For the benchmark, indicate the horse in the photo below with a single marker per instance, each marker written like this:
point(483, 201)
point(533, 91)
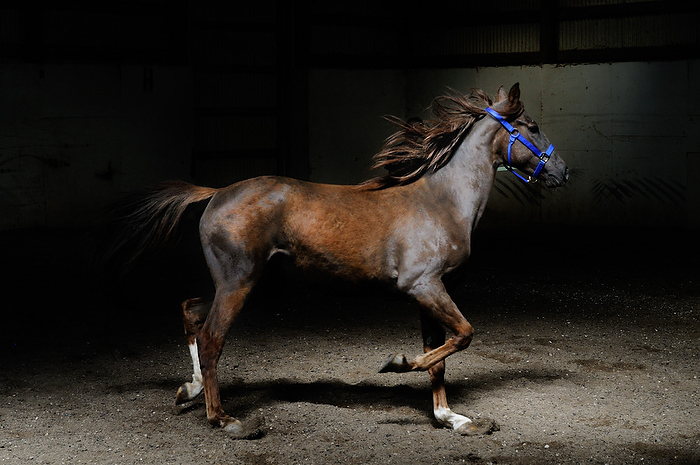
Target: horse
point(406, 228)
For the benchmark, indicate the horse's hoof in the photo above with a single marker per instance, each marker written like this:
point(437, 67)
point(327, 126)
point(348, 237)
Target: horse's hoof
point(396, 363)
point(478, 427)
point(252, 428)
point(181, 397)
point(186, 393)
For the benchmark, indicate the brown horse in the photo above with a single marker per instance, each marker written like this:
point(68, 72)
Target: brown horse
point(406, 228)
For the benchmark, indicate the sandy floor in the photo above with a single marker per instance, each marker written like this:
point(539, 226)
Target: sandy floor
point(592, 358)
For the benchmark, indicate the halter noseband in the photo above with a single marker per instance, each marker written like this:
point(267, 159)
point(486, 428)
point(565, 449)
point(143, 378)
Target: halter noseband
point(515, 135)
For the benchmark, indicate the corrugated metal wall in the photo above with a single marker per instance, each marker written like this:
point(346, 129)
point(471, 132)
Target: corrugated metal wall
point(638, 31)
point(482, 40)
point(126, 31)
point(412, 34)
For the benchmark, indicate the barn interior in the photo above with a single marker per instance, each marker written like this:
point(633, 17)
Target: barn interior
point(98, 99)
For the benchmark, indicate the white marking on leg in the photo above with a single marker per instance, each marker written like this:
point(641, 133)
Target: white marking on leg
point(194, 353)
point(447, 417)
point(195, 387)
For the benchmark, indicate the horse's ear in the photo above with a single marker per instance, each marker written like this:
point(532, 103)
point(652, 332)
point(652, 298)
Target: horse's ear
point(514, 94)
point(501, 94)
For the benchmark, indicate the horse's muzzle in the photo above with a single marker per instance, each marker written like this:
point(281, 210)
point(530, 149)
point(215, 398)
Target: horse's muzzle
point(557, 180)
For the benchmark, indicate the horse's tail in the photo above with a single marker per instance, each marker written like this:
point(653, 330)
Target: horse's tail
point(148, 218)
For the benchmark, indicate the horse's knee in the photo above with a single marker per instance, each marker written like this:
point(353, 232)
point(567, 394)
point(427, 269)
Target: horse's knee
point(464, 337)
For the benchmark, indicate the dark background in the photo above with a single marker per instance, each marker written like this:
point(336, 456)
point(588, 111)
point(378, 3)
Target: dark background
point(101, 98)
point(584, 299)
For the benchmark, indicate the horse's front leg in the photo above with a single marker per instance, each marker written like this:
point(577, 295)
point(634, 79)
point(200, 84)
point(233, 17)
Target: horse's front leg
point(434, 337)
point(439, 311)
point(437, 304)
point(194, 313)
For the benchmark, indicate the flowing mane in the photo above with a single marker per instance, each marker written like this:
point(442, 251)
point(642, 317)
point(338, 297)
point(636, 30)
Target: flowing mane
point(420, 147)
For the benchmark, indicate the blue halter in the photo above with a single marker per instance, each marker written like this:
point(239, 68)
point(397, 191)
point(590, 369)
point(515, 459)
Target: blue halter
point(515, 135)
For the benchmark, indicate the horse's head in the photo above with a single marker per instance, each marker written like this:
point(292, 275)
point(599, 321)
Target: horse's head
point(523, 145)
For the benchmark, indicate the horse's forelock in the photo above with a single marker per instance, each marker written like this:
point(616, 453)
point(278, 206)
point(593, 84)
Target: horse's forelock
point(512, 110)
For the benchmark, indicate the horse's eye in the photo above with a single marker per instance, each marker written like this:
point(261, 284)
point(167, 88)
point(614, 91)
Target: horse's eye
point(534, 128)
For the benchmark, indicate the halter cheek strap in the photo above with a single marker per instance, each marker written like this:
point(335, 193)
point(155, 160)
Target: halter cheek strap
point(515, 135)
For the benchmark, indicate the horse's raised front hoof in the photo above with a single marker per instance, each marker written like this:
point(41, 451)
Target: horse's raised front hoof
point(396, 363)
point(478, 427)
point(186, 393)
point(251, 428)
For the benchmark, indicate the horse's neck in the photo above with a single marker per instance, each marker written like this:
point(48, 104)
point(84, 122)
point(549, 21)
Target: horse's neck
point(466, 181)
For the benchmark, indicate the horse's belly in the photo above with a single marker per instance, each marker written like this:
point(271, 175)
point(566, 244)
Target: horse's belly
point(345, 263)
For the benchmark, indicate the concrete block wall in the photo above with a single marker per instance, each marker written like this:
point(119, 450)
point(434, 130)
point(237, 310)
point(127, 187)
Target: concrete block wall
point(73, 136)
point(627, 131)
point(346, 120)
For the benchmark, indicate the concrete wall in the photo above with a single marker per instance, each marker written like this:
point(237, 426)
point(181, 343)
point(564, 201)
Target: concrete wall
point(71, 136)
point(627, 131)
point(346, 124)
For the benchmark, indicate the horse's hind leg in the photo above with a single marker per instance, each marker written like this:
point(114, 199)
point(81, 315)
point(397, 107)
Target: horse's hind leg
point(194, 313)
point(210, 342)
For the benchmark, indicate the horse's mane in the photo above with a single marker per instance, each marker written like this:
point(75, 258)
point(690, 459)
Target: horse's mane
point(420, 147)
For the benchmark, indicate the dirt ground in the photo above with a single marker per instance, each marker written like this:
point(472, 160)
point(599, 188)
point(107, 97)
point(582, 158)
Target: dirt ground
point(585, 351)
